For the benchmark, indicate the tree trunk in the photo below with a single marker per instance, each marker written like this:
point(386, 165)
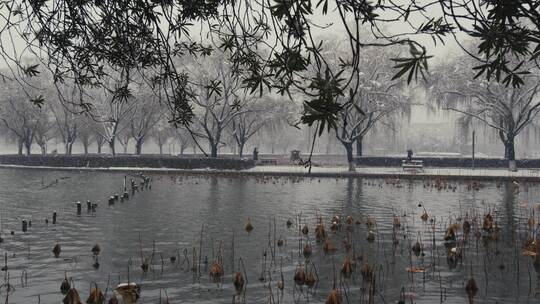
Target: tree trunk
point(509, 150)
point(99, 148)
point(43, 149)
point(160, 149)
point(27, 146)
point(111, 146)
point(359, 147)
point(510, 153)
point(68, 147)
point(241, 150)
point(350, 158)
point(138, 146)
point(85, 146)
point(213, 150)
point(20, 146)
point(183, 147)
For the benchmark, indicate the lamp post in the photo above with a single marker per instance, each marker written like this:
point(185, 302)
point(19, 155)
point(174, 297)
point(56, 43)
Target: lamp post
point(473, 143)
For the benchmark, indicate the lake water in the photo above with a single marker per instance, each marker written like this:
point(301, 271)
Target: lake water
point(170, 218)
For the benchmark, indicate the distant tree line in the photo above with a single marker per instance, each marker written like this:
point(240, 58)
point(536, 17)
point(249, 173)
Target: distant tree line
point(102, 57)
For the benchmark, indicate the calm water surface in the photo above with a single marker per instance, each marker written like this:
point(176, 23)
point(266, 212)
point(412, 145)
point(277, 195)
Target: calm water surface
point(167, 220)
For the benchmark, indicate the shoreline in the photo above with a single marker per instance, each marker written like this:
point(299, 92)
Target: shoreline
point(524, 175)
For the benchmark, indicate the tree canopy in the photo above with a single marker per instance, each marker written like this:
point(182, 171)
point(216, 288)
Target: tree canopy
point(272, 44)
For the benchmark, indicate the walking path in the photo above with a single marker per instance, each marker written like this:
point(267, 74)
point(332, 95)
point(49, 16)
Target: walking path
point(376, 172)
point(481, 173)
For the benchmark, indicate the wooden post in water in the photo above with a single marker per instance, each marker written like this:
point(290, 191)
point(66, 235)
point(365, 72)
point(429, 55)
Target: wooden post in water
point(89, 205)
point(54, 218)
point(24, 225)
point(1, 229)
point(5, 268)
point(125, 195)
point(79, 208)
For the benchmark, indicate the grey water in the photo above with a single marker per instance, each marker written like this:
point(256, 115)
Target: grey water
point(170, 218)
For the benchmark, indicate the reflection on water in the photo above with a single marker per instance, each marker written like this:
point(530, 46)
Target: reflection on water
point(169, 220)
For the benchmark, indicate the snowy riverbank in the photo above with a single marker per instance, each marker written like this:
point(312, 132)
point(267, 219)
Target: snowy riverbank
point(322, 172)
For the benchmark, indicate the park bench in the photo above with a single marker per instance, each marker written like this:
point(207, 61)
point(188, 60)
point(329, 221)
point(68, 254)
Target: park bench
point(413, 165)
point(268, 161)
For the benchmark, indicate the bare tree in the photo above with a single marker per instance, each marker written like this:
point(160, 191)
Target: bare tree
point(113, 111)
point(254, 116)
point(376, 97)
point(507, 110)
point(218, 101)
point(146, 115)
point(85, 132)
point(279, 127)
point(100, 141)
point(123, 138)
point(184, 139)
point(66, 121)
point(161, 133)
point(20, 116)
point(43, 130)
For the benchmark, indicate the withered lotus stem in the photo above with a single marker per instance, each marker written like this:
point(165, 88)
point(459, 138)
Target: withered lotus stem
point(471, 287)
point(397, 222)
point(346, 268)
point(248, 227)
point(72, 297)
point(367, 271)
point(329, 246)
point(334, 297)
point(56, 250)
point(289, 223)
point(95, 297)
point(113, 300)
point(466, 227)
point(371, 236)
point(65, 286)
point(417, 248)
point(310, 280)
point(370, 223)
point(300, 276)
point(307, 250)
point(145, 265)
point(239, 281)
point(216, 270)
point(320, 233)
point(96, 249)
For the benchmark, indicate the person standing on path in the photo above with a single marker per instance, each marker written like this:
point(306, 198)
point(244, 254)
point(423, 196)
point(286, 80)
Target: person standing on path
point(409, 155)
point(255, 154)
